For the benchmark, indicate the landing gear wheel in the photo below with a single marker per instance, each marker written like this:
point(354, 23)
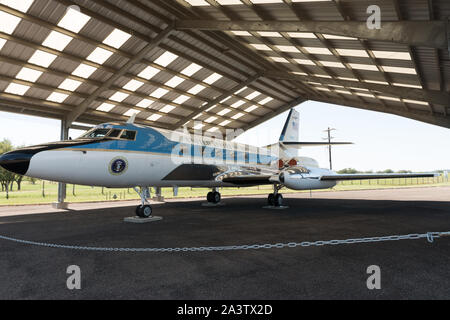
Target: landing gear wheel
point(271, 199)
point(278, 200)
point(216, 197)
point(144, 211)
point(209, 197)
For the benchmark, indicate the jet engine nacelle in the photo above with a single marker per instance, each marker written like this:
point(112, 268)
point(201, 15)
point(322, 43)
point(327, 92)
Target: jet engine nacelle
point(295, 179)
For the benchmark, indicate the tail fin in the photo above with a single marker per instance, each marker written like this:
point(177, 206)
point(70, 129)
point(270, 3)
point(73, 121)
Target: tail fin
point(291, 127)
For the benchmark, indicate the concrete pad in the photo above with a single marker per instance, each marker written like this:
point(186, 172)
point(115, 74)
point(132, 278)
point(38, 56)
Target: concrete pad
point(136, 219)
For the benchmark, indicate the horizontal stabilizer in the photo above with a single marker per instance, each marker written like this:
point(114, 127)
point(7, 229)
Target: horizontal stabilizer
point(299, 144)
point(338, 177)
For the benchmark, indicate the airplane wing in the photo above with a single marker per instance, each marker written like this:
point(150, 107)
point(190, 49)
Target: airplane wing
point(357, 176)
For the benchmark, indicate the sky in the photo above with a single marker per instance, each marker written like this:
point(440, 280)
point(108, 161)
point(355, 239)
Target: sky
point(381, 141)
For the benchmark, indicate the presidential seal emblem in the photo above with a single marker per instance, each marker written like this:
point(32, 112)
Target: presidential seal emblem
point(118, 166)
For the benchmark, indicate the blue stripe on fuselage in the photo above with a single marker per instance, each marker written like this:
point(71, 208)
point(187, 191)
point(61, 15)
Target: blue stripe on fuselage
point(150, 140)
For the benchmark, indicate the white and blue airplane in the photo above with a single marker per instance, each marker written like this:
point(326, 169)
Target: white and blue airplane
point(126, 155)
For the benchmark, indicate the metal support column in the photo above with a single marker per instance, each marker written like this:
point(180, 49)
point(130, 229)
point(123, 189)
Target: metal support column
point(61, 204)
point(158, 195)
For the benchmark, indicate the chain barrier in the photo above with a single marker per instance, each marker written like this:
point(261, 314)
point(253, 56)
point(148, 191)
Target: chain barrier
point(430, 236)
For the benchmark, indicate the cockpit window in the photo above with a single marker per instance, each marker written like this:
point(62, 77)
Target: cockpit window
point(114, 133)
point(128, 135)
point(96, 133)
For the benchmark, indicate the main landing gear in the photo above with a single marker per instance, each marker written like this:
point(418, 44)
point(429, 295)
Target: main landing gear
point(213, 196)
point(275, 199)
point(144, 210)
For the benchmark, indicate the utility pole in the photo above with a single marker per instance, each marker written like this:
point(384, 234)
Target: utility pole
point(328, 131)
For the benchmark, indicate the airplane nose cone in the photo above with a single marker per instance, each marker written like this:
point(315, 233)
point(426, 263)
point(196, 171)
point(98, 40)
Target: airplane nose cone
point(16, 161)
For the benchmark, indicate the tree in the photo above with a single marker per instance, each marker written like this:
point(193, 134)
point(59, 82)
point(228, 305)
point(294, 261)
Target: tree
point(348, 171)
point(6, 177)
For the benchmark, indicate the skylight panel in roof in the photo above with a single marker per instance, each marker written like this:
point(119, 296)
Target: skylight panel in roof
point(343, 91)
point(212, 78)
point(334, 37)
point(73, 20)
point(288, 49)
point(145, 103)
point(269, 34)
point(191, 69)
point(237, 115)
point(310, 0)
point(99, 55)
point(196, 89)
point(352, 53)
point(158, 93)
point(117, 38)
point(198, 116)
point(302, 35)
point(211, 119)
point(332, 64)
point(166, 58)
point(348, 79)
point(2, 43)
point(241, 33)
point(198, 126)
point(361, 66)
point(70, 85)
point(41, 58)
point(391, 55)
point(106, 107)
point(314, 50)
point(167, 109)
point(130, 112)
point(407, 85)
point(16, 88)
point(8, 22)
point(258, 46)
point(399, 70)
point(237, 104)
point(223, 112)
point(229, 2)
point(57, 97)
point(300, 73)
point(197, 3)
point(304, 61)
point(57, 40)
point(148, 73)
point(240, 90)
point(377, 82)
point(133, 85)
point(119, 96)
point(20, 5)
point(279, 59)
point(266, 100)
point(415, 102)
point(251, 108)
point(84, 71)
point(322, 76)
point(28, 74)
point(323, 89)
point(154, 117)
point(181, 99)
point(224, 123)
point(212, 129)
point(252, 95)
point(175, 81)
point(265, 1)
point(367, 95)
point(389, 98)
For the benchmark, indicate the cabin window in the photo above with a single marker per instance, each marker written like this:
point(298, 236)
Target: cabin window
point(114, 133)
point(128, 135)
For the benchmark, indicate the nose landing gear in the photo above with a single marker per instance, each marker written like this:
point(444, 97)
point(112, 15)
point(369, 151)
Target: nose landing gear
point(275, 199)
point(213, 197)
point(144, 210)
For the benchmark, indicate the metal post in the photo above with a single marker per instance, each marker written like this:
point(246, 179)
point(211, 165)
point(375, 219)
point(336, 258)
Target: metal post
point(61, 204)
point(329, 144)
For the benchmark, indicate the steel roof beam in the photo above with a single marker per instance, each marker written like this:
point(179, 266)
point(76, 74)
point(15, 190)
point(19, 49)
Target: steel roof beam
point(72, 116)
point(415, 33)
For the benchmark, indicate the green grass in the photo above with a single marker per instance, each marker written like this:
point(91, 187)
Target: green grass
point(33, 194)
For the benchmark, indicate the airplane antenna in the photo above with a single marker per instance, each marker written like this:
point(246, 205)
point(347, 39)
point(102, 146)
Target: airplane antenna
point(132, 118)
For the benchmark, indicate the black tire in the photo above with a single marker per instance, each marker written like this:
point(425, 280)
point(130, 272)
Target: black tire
point(216, 197)
point(209, 197)
point(146, 211)
point(271, 199)
point(278, 200)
